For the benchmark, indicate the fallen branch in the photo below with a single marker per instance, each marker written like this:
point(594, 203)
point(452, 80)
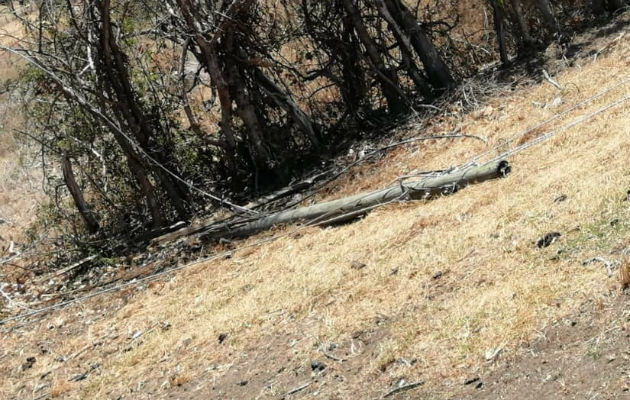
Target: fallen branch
point(334, 358)
point(299, 388)
point(168, 235)
point(403, 388)
point(77, 264)
point(550, 80)
point(602, 260)
point(6, 296)
point(7, 261)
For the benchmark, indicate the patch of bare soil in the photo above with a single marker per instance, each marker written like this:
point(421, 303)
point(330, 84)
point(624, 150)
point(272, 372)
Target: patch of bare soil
point(582, 356)
point(274, 367)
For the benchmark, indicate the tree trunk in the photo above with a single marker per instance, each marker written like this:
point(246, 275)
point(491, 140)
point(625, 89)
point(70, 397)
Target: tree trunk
point(115, 78)
point(386, 78)
point(547, 14)
point(245, 108)
point(499, 28)
point(405, 46)
point(353, 84)
point(435, 67)
point(209, 58)
point(597, 6)
point(284, 101)
point(616, 4)
point(522, 24)
point(77, 195)
point(247, 112)
point(139, 172)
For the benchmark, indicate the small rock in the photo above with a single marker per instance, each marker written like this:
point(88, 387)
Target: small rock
point(41, 387)
point(437, 275)
point(548, 239)
point(560, 198)
point(78, 378)
point(317, 365)
point(472, 380)
point(28, 364)
point(242, 383)
point(491, 354)
point(357, 265)
point(222, 337)
point(556, 102)
point(165, 325)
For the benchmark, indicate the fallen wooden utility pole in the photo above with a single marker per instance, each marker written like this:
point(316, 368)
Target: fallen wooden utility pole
point(348, 208)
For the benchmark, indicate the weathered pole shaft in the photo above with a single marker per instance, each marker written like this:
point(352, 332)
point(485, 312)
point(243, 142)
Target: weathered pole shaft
point(351, 207)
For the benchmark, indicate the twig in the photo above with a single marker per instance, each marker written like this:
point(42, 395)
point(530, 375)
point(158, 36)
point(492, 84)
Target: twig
point(550, 80)
point(84, 375)
point(7, 261)
point(334, 358)
point(299, 388)
point(11, 302)
point(82, 349)
point(602, 260)
point(139, 335)
point(6, 296)
point(622, 34)
point(403, 388)
point(75, 265)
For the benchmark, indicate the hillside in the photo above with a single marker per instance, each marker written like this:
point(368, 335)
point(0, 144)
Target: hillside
point(453, 293)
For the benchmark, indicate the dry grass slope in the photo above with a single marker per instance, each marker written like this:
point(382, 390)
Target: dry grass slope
point(445, 282)
point(20, 180)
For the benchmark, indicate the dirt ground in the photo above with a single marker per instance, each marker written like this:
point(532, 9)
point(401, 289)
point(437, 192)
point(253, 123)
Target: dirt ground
point(585, 355)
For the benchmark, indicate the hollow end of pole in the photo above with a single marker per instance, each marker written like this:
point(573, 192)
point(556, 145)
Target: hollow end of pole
point(504, 168)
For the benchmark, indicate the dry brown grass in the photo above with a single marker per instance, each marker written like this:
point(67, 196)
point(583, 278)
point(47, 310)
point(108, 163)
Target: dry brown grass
point(497, 290)
point(10, 30)
point(60, 388)
point(20, 190)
